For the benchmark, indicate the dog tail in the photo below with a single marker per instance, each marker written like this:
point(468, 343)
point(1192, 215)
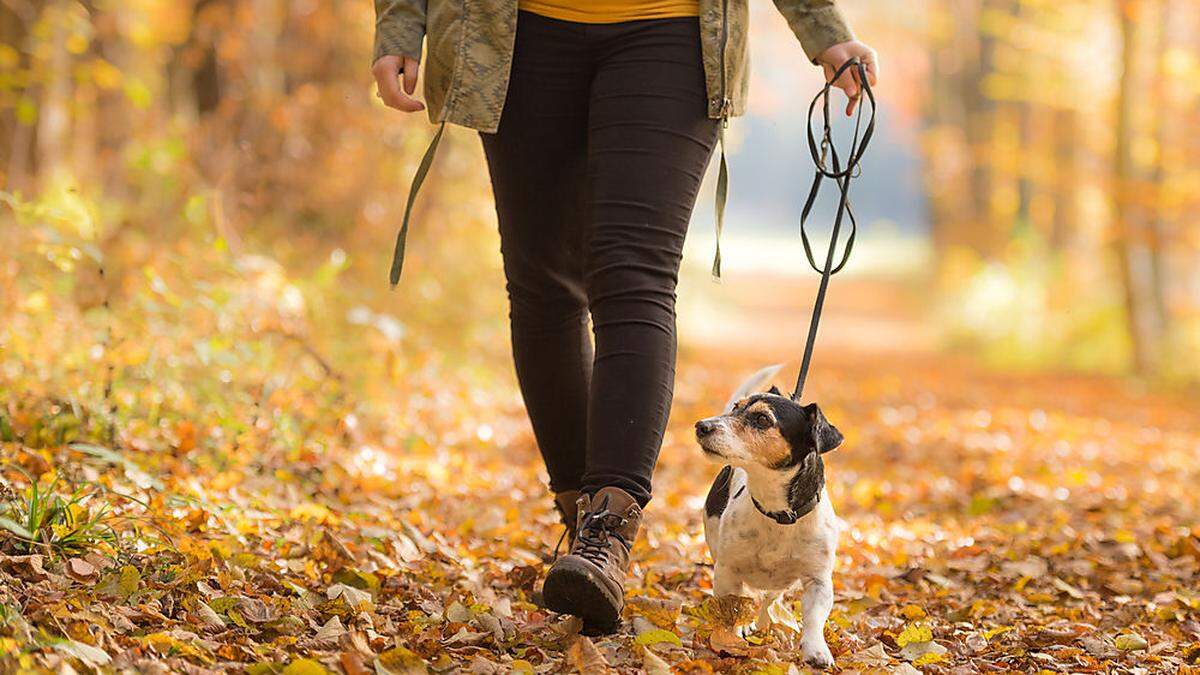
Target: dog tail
point(752, 384)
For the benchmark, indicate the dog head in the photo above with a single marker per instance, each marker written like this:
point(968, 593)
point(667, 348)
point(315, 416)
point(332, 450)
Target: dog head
point(768, 430)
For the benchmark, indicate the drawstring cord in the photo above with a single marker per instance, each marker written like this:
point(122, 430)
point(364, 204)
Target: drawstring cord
point(417, 181)
point(722, 189)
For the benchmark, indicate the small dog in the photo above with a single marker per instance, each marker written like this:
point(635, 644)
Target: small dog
point(768, 521)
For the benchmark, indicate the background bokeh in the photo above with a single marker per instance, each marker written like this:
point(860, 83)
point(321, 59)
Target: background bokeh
point(1034, 180)
point(216, 417)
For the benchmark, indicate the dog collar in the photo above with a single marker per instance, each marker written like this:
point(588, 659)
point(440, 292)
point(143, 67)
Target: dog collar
point(787, 516)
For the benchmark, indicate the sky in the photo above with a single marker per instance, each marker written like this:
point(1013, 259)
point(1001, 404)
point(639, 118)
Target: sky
point(770, 166)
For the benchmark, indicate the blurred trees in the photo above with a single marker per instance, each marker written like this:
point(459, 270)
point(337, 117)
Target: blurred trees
point(1060, 169)
point(197, 203)
point(1055, 150)
point(207, 119)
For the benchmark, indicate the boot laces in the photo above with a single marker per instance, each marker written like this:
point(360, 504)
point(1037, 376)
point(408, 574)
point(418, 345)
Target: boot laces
point(566, 533)
point(563, 537)
point(592, 539)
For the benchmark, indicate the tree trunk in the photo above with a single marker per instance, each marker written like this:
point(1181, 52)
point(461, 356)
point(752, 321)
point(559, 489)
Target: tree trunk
point(1066, 177)
point(1160, 225)
point(18, 136)
point(1135, 272)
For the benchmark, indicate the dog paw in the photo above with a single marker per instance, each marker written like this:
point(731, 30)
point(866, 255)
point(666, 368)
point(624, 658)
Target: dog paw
point(817, 656)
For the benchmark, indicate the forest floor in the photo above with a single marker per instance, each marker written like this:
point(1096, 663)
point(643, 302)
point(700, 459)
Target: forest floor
point(993, 522)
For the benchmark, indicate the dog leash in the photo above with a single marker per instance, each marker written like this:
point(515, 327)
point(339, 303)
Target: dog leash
point(834, 171)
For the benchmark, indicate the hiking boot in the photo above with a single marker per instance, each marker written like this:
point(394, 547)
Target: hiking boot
point(590, 581)
point(567, 505)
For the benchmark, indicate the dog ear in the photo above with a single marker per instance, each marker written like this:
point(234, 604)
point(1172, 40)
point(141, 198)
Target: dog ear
point(826, 437)
point(774, 390)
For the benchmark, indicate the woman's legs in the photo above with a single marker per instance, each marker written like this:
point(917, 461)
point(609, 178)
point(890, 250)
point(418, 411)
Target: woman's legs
point(649, 142)
point(601, 149)
point(537, 160)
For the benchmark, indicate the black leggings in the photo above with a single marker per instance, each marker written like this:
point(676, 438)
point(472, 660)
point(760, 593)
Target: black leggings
point(601, 149)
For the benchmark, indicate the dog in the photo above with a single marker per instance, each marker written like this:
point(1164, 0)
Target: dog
point(768, 521)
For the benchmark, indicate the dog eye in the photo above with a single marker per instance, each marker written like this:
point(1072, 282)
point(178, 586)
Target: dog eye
point(760, 420)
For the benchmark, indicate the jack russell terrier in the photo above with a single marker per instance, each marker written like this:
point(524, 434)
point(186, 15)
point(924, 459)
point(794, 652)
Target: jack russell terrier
point(768, 521)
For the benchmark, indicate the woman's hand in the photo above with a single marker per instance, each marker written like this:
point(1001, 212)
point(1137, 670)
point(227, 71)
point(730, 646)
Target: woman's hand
point(387, 71)
point(831, 59)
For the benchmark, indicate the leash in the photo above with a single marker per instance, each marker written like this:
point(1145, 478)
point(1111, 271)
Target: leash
point(822, 153)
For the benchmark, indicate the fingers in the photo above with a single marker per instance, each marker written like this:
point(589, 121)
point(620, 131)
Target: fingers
point(871, 66)
point(848, 83)
point(871, 61)
point(411, 67)
point(836, 56)
point(853, 92)
point(387, 70)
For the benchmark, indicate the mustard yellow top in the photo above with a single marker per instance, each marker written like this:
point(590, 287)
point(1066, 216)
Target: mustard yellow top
point(610, 11)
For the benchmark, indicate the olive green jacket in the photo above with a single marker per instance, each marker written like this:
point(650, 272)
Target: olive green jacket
point(470, 49)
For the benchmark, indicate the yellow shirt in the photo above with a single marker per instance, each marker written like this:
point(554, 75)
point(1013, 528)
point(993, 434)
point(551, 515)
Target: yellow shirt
point(610, 11)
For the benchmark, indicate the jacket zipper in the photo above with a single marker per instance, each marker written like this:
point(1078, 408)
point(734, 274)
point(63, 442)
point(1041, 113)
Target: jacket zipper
point(726, 103)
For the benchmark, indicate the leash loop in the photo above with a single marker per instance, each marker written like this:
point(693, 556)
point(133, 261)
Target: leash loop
point(829, 166)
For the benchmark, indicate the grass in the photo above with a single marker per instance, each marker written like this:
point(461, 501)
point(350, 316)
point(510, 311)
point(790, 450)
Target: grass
point(43, 520)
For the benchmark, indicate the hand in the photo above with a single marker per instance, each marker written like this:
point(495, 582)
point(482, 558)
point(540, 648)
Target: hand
point(831, 59)
point(387, 71)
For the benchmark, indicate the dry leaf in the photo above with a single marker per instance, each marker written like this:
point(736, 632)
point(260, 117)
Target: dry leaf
point(873, 656)
point(332, 630)
point(653, 664)
point(1128, 642)
point(81, 569)
point(724, 639)
point(93, 657)
point(922, 651)
point(585, 658)
point(662, 613)
point(652, 637)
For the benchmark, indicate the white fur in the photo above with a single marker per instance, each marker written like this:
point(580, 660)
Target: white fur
point(752, 384)
point(758, 557)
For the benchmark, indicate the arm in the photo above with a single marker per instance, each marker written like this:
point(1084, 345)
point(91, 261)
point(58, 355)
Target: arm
point(828, 42)
point(399, 32)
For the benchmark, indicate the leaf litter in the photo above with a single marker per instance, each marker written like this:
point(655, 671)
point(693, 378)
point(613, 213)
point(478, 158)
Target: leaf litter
point(993, 522)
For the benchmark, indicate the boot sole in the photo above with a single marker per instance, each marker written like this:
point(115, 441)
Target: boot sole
point(572, 588)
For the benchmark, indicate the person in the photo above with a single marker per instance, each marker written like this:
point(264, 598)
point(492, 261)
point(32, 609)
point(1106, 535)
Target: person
point(598, 119)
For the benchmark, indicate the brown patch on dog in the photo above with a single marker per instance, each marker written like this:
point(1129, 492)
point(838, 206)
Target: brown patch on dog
point(765, 445)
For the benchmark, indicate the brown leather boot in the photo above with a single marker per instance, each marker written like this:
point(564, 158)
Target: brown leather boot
point(567, 505)
point(590, 581)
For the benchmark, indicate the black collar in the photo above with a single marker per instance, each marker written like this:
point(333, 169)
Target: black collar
point(788, 516)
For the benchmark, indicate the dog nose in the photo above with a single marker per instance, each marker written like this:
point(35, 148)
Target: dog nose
point(705, 427)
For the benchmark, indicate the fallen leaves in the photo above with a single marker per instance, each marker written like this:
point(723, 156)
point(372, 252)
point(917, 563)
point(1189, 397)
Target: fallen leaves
point(1130, 642)
point(653, 637)
point(961, 552)
point(585, 658)
point(93, 657)
point(725, 640)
